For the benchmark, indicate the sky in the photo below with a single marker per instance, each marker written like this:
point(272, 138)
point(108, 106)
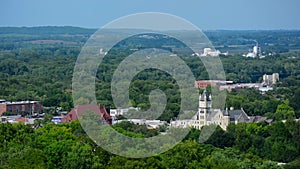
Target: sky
point(205, 14)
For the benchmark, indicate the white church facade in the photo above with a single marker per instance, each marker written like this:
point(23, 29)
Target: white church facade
point(207, 116)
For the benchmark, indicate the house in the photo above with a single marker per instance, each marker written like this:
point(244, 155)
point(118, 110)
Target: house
point(81, 109)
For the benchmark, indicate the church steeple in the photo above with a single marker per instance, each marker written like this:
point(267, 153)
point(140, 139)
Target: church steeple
point(204, 107)
point(205, 100)
point(226, 111)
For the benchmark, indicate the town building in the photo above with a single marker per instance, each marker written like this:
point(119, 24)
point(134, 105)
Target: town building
point(239, 86)
point(151, 124)
point(119, 111)
point(17, 119)
point(210, 52)
point(202, 84)
point(256, 52)
point(57, 119)
point(266, 85)
point(31, 107)
point(206, 115)
point(270, 80)
point(81, 109)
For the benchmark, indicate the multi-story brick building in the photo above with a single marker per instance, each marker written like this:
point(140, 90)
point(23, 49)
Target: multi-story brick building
point(30, 107)
point(202, 84)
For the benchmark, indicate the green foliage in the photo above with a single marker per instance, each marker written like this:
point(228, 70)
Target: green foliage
point(283, 112)
point(128, 128)
point(252, 102)
point(293, 165)
point(193, 135)
point(280, 146)
point(28, 158)
point(221, 138)
point(185, 154)
point(67, 146)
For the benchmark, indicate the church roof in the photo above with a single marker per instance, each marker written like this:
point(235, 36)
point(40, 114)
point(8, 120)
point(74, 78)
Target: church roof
point(212, 114)
point(237, 115)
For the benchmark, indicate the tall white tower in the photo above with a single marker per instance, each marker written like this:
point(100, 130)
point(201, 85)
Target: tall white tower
point(256, 50)
point(204, 107)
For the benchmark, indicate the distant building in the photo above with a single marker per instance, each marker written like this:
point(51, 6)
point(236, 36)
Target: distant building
point(210, 52)
point(266, 85)
point(202, 84)
point(16, 119)
point(117, 112)
point(81, 109)
point(151, 124)
point(207, 116)
point(270, 80)
point(239, 86)
point(30, 107)
point(263, 89)
point(256, 52)
point(57, 119)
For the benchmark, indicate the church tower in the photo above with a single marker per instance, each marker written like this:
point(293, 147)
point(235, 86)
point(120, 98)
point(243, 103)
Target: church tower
point(205, 104)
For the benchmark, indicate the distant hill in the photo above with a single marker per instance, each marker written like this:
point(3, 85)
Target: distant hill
point(241, 41)
point(46, 30)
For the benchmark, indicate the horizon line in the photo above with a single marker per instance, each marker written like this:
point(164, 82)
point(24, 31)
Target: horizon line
point(218, 29)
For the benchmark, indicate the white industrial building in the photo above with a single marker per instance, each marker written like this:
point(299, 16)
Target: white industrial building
point(270, 80)
point(256, 52)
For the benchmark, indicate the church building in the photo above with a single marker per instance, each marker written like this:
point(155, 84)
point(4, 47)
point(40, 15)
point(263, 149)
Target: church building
point(206, 115)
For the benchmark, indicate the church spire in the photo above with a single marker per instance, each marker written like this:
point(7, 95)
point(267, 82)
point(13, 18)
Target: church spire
point(205, 96)
point(205, 100)
point(226, 111)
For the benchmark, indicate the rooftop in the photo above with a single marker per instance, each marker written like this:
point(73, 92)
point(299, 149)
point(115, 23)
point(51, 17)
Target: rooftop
point(18, 102)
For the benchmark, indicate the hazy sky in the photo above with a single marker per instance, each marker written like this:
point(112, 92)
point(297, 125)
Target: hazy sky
point(206, 14)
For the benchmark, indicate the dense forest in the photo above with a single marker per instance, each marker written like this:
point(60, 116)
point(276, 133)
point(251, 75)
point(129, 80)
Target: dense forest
point(256, 145)
point(38, 63)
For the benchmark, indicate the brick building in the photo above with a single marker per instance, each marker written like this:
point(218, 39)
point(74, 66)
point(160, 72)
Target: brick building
point(30, 107)
point(202, 84)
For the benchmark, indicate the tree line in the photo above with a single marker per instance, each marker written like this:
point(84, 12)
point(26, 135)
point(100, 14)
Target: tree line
point(256, 145)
